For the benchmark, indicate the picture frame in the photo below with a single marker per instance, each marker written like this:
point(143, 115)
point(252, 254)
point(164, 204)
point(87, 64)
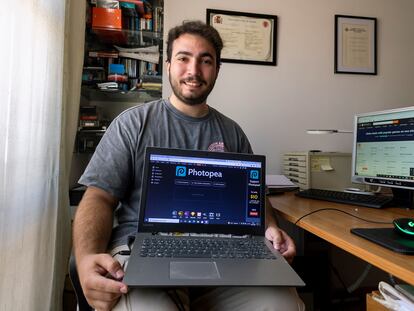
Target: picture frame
point(248, 38)
point(355, 45)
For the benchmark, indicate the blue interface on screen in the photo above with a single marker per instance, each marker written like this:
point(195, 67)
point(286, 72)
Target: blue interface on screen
point(203, 191)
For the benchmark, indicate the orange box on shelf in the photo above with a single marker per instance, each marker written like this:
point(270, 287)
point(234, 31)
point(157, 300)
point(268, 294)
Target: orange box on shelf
point(106, 18)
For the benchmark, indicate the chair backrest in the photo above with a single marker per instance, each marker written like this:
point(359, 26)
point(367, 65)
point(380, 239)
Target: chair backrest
point(74, 278)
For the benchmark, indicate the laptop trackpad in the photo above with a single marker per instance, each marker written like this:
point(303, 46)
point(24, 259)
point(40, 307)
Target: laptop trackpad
point(193, 270)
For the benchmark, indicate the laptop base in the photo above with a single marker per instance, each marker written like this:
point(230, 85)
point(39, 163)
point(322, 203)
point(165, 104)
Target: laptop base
point(185, 272)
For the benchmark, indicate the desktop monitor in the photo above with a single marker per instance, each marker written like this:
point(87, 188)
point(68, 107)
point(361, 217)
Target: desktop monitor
point(383, 151)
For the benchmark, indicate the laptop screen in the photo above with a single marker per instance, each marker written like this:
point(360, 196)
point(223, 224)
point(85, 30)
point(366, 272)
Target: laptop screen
point(197, 189)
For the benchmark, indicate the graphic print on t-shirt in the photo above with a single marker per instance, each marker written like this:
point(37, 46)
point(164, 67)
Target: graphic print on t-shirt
point(217, 147)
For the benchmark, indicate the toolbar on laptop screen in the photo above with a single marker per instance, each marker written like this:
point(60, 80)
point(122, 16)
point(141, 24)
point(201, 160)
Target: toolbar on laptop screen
point(203, 191)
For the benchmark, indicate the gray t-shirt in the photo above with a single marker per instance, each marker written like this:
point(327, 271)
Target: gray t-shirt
point(116, 166)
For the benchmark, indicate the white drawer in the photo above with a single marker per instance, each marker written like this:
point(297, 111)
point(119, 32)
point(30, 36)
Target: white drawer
point(295, 169)
point(294, 164)
point(295, 158)
point(295, 174)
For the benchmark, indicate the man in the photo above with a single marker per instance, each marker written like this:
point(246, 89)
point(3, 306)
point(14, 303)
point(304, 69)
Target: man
point(113, 177)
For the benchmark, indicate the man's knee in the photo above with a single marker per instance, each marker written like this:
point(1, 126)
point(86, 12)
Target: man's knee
point(277, 299)
point(150, 299)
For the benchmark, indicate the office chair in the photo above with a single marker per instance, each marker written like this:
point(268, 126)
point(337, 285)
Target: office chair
point(74, 279)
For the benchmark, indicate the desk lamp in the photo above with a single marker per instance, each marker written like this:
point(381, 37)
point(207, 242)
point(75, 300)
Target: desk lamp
point(327, 131)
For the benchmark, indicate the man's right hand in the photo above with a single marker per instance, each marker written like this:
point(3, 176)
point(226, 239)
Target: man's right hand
point(100, 276)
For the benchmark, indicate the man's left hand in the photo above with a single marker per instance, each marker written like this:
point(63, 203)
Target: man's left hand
point(281, 242)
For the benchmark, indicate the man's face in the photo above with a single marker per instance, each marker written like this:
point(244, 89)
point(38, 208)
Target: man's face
point(192, 70)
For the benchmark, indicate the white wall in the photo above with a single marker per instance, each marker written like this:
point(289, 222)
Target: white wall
point(275, 105)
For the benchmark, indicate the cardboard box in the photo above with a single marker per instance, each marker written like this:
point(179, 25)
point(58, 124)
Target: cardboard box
point(373, 305)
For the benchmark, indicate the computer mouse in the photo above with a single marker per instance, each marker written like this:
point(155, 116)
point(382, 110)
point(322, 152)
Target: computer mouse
point(404, 226)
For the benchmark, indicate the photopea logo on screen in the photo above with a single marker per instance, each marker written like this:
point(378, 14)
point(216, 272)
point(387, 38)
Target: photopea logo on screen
point(254, 174)
point(203, 173)
point(181, 171)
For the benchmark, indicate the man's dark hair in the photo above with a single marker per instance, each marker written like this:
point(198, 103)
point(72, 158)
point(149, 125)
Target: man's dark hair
point(196, 28)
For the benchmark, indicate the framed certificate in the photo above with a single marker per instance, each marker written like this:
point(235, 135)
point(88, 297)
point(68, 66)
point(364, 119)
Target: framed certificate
point(355, 45)
point(248, 38)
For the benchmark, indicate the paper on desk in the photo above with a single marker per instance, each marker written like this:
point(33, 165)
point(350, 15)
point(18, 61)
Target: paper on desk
point(278, 181)
point(321, 163)
point(326, 167)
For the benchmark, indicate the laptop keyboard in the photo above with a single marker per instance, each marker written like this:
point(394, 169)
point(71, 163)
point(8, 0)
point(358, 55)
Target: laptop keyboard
point(205, 248)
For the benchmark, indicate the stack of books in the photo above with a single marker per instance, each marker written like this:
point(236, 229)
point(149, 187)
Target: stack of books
point(151, 82)
point(88, 117)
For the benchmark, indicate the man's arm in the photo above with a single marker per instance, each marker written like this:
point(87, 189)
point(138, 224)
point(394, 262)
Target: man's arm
point(92, 229)
point(281, 240)
point(93, 222)
point(270, 214)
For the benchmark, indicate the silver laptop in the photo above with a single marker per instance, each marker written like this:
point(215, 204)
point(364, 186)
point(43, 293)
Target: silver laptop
point(202, 223)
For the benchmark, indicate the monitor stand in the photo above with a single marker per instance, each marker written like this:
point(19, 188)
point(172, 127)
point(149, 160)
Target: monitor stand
point(403, 198)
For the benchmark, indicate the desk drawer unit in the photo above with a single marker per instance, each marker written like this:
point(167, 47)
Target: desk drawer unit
point(296, 168)
point(321, 170)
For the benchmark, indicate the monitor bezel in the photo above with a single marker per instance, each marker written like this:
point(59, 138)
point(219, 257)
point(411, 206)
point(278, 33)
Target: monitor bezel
point(374, 180)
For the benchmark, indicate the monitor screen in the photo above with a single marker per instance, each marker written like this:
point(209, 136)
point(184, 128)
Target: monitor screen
point(383, 149)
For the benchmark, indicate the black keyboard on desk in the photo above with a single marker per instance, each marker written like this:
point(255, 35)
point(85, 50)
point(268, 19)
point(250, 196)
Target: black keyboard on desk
point(346, 197)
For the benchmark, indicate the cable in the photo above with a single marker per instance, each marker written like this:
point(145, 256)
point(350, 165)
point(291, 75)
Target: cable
point(338, 276)
point(179, 300)
point(176, 299)
point(364, 274)
point(392, 279)
point(359, 280)
point(338, 210)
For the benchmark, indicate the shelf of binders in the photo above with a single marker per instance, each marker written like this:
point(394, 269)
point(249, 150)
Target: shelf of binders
point(127, 37)
point(138, 95)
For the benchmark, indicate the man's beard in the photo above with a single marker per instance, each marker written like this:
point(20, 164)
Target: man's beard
point(191, 101)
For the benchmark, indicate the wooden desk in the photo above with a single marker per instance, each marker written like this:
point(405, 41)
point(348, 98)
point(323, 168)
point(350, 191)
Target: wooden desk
point(334, 227)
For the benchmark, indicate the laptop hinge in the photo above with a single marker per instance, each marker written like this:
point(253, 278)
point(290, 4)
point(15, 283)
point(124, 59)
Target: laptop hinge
point(211, 235)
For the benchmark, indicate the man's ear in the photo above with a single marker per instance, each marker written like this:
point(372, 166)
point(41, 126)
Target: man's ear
point(218, 70)
point(168, 67)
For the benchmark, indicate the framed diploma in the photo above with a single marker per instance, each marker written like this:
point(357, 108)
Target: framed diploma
point(248, 38)
point(355, 45)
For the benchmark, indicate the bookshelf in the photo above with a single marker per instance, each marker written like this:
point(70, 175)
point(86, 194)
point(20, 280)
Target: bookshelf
point(123, 46)
point(122, 61)
point(127, 37)
point(135, 96)
point(122, 68)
